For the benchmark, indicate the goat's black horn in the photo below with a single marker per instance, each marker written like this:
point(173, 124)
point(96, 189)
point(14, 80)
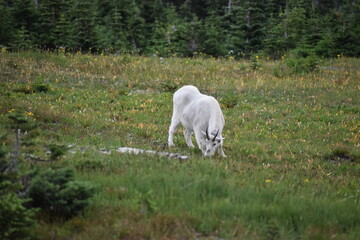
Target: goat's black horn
point(216, 135)
point(207, 133)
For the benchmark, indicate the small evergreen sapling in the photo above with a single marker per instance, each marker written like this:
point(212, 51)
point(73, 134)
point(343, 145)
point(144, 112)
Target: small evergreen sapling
point(15, 219)
point(57, 194)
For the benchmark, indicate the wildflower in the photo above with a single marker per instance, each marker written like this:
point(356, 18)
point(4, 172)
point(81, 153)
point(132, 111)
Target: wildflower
point(306, 180)
point(29, 114)
point(11, 110)
point(268, 181)
point(256, 56)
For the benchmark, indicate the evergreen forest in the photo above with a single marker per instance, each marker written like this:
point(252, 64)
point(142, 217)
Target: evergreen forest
point(237, 28)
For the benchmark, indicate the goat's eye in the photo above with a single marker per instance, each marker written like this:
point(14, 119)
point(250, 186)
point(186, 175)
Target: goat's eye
point(214, 144)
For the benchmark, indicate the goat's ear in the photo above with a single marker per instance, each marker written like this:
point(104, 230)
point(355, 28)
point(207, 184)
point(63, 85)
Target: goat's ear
point(220, 138)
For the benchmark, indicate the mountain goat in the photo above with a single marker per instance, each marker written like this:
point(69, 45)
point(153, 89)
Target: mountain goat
point(199, 114)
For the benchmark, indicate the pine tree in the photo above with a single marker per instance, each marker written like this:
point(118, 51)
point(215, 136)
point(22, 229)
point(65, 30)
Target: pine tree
point(6, 26)
point(25, 23)
point(21, 40)
point(62, 31)
point(134, 24)
point(254, 26)
point(235, 30)
point(49, 12)
point(119, 34)
point(213, 37)
point(189, 29)
point(347, 29)
point(274, 41)
point(82, 17)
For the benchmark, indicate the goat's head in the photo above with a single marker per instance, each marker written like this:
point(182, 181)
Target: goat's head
point(212, 142)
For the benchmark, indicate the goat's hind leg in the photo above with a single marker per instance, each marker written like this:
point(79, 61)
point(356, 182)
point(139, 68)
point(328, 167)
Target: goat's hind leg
point(175, 121)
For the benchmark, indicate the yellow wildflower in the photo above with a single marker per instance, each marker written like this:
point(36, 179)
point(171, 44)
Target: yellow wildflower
point(268, 181)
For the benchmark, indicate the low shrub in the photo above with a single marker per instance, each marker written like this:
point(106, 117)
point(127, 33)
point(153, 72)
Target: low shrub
point(302, 61)
point(57, 194)
point(230, 99)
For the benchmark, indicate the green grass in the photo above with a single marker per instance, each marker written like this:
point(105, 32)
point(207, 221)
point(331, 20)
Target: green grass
point(292, 142)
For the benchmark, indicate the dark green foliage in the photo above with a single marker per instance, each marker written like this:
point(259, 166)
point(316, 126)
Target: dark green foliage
point(302, 61)
point(182, 27)
point(57, 151)
point(230, 99)
point(57, 194)
point(90, 165)
point(342, 154)
point(21, 40)
point(169, 86)
point(6, 26)
point(212, 36)
point(37, 87)
point(15, 219)
point(41, 87)
point(20, 121)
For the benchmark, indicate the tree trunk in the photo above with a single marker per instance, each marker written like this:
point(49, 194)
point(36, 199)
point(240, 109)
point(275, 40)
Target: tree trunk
point(229, 6)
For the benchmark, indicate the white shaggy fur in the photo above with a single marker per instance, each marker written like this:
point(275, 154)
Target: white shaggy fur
point(199, 114)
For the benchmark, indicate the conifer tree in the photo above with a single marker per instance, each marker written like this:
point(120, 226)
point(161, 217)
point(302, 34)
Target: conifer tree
point(213, 37)
point(134, 24)
point(49, 14)
point(234, 29)
point(21, 40)
point(83, 23)
point(6, 26)
point(25, 23)
point(62, 31)
point(253, 26)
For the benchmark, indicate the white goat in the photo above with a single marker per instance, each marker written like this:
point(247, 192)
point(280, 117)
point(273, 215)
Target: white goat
point(200, 114)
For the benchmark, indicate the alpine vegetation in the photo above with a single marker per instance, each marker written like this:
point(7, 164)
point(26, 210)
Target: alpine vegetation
point(199, 114)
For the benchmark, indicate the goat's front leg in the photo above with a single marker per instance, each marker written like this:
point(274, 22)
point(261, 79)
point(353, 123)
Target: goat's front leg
point(221, 152)
point(187, 135)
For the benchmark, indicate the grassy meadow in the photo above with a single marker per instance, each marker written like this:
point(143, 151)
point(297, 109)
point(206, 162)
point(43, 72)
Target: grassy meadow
point(292, 141)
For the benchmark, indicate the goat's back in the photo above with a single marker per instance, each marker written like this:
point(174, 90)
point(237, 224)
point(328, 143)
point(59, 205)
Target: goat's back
point(184, 96)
